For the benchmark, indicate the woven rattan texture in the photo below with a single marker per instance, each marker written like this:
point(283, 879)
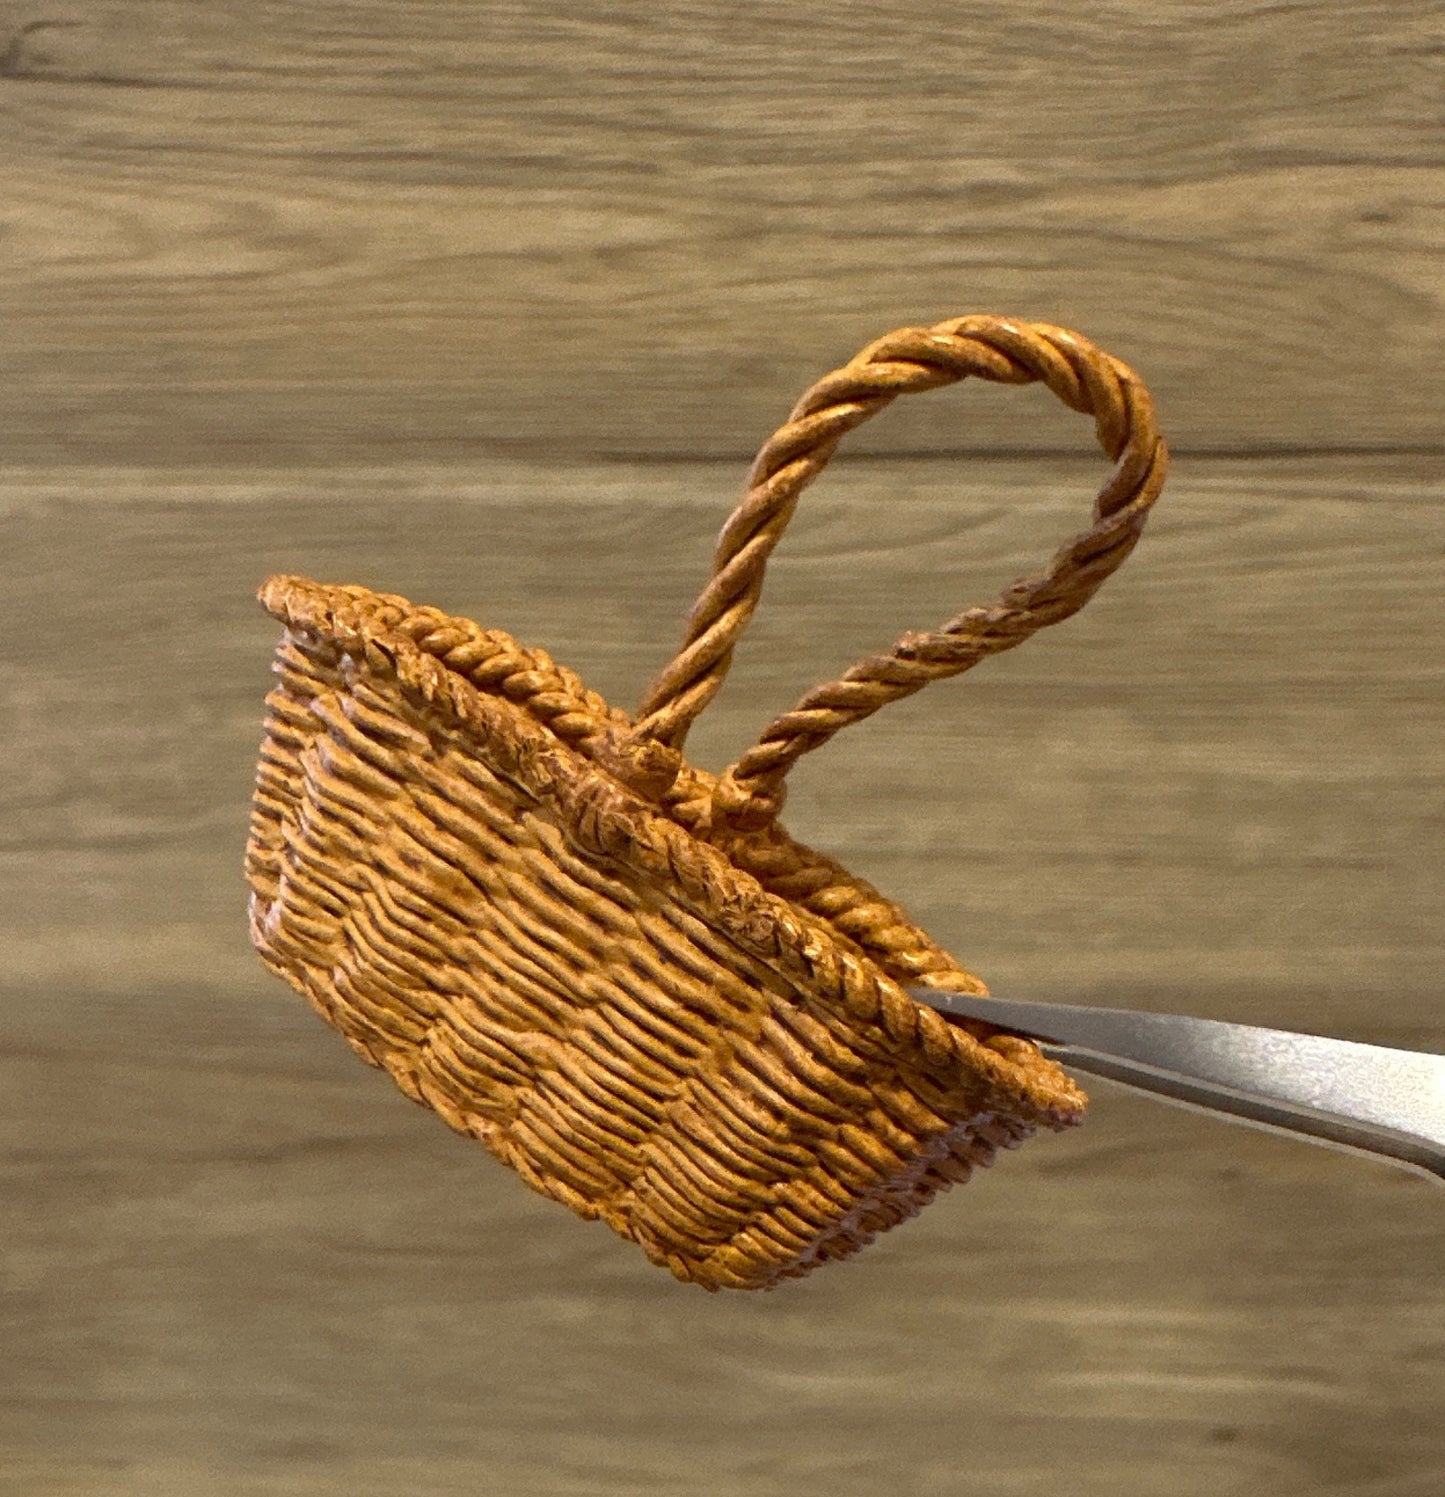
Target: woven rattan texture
point(636, 1026)
point(617, 972)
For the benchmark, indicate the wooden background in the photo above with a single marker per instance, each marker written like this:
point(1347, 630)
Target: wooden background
point(490, 304)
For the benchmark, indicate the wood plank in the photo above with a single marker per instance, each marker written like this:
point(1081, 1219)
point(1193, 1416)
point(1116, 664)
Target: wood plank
point(372, 233)
point(1225, 772)
point(236, 1261)
point(239, 1263)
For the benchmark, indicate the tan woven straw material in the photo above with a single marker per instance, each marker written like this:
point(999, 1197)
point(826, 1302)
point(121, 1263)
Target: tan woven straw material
point(616, 971)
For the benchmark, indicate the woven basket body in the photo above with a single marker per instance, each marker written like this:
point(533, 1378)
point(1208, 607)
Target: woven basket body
point(615, 971)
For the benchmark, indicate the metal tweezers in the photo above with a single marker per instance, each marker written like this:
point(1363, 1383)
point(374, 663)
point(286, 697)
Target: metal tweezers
point(1362, 1098)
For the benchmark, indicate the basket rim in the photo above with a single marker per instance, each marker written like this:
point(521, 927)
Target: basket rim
point(607, 819)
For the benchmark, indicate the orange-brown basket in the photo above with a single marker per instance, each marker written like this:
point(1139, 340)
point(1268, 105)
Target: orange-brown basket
point(616, 971)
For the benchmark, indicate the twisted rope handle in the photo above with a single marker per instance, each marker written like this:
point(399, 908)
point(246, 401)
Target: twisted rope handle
point(1083, 376)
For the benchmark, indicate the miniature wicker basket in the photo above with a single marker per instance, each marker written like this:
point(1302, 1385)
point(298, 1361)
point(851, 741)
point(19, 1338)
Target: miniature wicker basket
point(616, 971)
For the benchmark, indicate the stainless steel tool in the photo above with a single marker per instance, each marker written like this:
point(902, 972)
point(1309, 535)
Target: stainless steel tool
point(1363, 1098)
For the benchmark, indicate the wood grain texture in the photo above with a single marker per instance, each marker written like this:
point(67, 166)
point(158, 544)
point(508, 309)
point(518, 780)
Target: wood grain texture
point(261, 233)
point(448, 298)
point(236, 1262)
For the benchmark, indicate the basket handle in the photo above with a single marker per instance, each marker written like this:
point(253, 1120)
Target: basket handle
point(750, 793)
